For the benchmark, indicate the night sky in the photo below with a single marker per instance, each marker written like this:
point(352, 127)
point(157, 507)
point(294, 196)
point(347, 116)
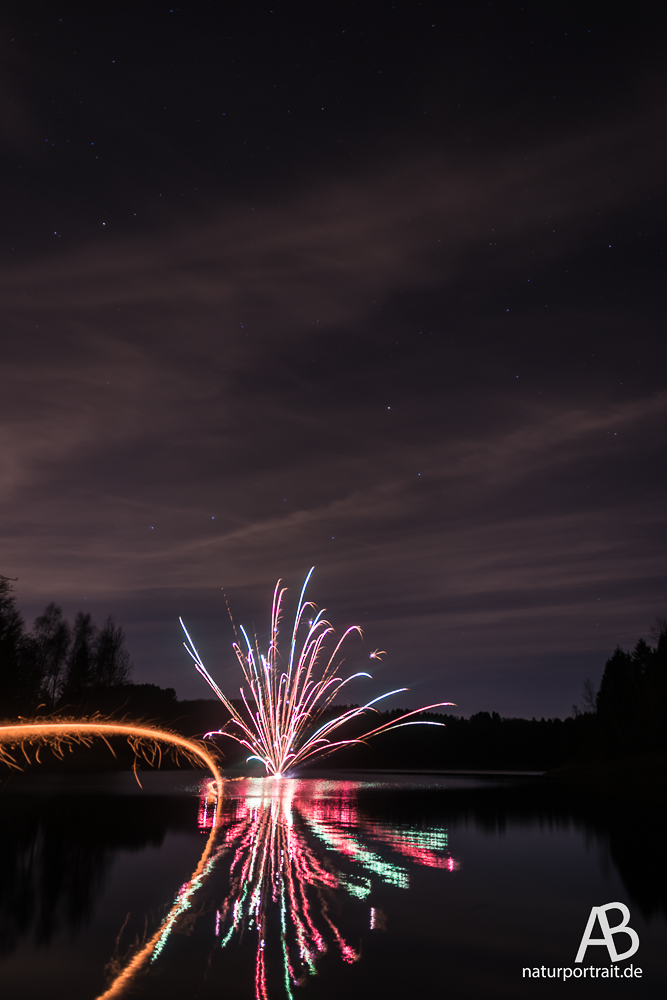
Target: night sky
point(377, 287)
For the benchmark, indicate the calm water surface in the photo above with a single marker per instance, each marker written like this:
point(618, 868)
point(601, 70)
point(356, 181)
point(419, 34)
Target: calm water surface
point(318, 887)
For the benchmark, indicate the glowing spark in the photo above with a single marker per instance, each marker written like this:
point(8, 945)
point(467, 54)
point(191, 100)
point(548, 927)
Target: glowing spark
point(144, 740)
point(284, 703)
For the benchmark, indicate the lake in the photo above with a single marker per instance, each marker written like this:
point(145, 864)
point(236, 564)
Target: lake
point(330, 885)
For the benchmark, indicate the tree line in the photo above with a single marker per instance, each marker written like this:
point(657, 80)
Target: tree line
point(624, 716)
point(55, 664)
point(86, 667)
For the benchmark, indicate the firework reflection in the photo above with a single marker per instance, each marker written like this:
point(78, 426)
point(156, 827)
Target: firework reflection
point(296, 850)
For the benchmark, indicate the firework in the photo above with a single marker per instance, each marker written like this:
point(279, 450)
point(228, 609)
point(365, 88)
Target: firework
point(146, 741)
point(284, 702)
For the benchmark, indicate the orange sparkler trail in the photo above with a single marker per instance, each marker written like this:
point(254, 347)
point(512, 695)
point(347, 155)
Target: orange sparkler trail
point(284, 703)
point(142, 739)
point(57, 734)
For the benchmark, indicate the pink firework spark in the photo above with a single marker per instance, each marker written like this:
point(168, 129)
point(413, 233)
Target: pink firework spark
point(284, 700)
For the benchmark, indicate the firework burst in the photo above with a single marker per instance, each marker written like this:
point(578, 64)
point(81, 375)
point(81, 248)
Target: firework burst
point(284, 701)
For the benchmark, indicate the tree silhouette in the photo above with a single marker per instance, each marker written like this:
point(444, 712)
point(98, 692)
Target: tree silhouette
point(80, 662)
point(98, 660)
point(112, 661)
point(55, 665)
point(632, 700)
point(19, 674)
point(52, 638)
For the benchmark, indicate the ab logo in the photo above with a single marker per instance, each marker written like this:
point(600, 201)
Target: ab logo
point(599, 913)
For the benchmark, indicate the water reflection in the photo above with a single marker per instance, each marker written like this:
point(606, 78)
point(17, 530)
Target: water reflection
point(352, 880)
point(56, 854)
point(294, 845)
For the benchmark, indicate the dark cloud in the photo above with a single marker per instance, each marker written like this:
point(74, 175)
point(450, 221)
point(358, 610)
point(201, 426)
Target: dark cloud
point(439, 378)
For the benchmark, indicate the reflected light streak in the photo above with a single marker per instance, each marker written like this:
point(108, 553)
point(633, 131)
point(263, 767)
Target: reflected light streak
point(154, 946)
point(281, 891)
point(275, 878)
point(285, 704)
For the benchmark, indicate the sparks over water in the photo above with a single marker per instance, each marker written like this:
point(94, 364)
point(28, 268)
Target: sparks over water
point(285, 702)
